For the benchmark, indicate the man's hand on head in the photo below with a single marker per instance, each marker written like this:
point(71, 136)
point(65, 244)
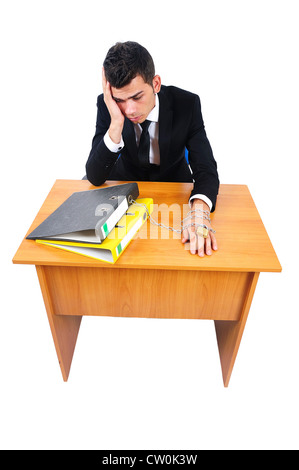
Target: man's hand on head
point(117, 117)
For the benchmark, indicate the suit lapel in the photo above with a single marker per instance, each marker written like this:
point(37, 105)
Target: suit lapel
point(165, 127)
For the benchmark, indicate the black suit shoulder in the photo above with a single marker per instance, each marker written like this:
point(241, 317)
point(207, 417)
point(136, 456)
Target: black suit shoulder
point(182, 102)
point(176, 92)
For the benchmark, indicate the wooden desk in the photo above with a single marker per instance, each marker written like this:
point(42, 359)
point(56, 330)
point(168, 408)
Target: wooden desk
point(169, 282)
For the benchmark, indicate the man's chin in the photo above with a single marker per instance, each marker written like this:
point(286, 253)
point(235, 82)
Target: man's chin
point(138, 119)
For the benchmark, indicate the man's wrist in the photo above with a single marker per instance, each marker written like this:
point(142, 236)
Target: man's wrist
point(203, 198)
point(115, 132)
point(112, 146)
point(200, 203)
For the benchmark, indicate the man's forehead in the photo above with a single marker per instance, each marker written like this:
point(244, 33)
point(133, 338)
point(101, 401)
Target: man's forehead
point(135, 87)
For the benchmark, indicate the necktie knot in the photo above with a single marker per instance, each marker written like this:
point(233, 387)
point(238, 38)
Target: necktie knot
point(145, 125)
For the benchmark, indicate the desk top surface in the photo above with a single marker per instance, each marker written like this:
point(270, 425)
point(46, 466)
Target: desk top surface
point(243, 243)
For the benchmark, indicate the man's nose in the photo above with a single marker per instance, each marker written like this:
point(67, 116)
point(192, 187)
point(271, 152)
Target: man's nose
point(130, 108)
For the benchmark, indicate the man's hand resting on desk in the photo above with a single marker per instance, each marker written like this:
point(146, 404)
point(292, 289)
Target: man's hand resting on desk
point(197, 242)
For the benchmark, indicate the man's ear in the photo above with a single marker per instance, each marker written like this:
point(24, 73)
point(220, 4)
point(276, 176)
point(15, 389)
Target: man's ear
point(157, 83)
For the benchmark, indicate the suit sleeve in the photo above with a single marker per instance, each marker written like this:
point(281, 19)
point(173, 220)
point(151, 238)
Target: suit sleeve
point(201, 159)
point(101, 160)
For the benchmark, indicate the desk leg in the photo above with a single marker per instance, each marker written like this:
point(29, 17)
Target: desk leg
point(229, 334)
point(64, 329)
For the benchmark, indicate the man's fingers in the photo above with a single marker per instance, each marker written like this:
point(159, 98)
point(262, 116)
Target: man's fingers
point(213, 241)
point(198, 243)
point(185, 236)
point(208, 245)
point(106, 87)
point(193, 242)
point(104, 80)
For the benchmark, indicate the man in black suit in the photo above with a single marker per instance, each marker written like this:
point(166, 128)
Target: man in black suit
point(123, 149)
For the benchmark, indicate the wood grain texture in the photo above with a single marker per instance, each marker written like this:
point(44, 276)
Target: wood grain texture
point(229, 334)
point(147, 293)
point(242, 239)
point(64, 329)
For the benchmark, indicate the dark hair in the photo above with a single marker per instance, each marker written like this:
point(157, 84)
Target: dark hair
point(126, 60)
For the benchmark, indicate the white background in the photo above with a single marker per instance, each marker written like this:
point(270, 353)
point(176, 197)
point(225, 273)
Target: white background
point(150, 384)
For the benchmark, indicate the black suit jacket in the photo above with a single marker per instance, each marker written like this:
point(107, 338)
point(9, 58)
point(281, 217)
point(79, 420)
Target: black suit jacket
point(180, 126)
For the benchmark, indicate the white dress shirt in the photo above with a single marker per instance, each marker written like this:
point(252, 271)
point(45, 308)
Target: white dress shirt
point(154, 155)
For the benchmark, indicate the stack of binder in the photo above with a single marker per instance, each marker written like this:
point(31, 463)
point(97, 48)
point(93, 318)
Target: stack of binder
point(98, 223)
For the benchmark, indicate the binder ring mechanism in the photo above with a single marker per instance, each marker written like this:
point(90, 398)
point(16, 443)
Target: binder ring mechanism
point(130, 202)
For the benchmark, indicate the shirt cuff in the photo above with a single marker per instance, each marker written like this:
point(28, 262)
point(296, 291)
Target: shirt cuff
point(115, 148)
point(203, 198)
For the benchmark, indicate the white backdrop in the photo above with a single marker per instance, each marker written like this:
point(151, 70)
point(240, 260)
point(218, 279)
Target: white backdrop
point(150, 384)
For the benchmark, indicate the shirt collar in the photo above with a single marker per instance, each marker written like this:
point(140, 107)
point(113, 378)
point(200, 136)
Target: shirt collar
point(154, 114)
